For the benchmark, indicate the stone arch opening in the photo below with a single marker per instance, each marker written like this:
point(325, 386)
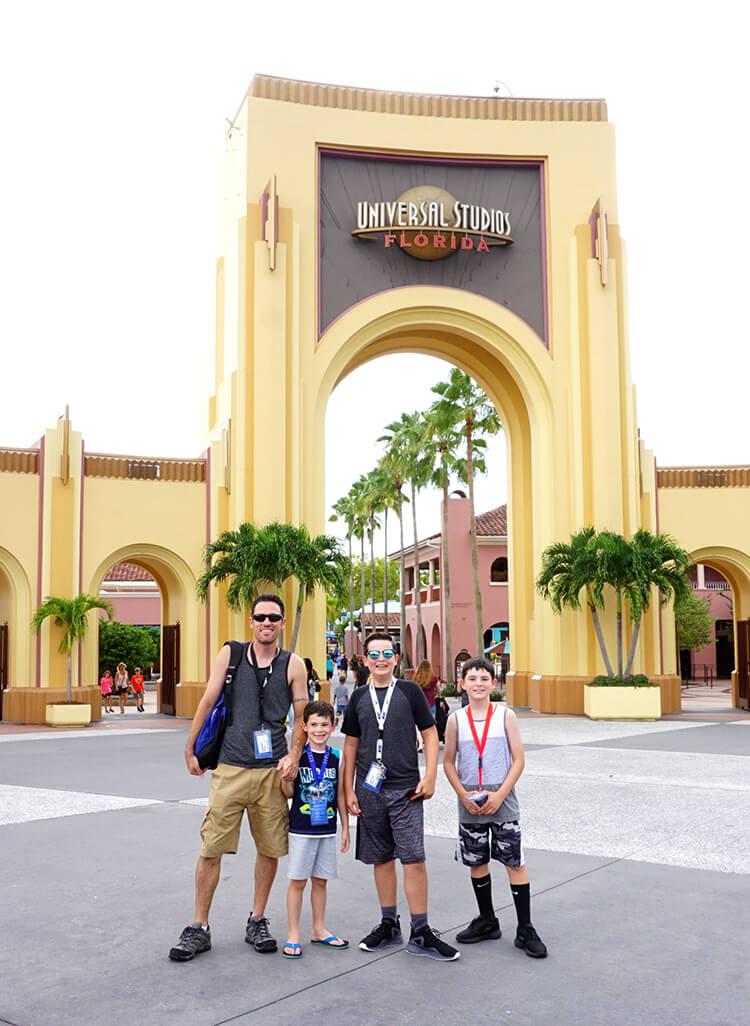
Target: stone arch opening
point(435, 653)
point(734, 565)
point(16, 612)
point(177, 588)
point(509, 362)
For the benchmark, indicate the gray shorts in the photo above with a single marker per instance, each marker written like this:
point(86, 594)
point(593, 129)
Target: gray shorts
point(389, 826)
point(478, 842)
point(312, 856)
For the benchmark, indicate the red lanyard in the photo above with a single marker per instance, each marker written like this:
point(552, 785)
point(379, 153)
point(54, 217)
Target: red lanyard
point(480, 745)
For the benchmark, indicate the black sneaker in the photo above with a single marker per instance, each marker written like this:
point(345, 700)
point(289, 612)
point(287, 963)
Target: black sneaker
point(193, 940)
point(386, 933)
point(427, 942)
point(479, 929)
point(257, 934)
point(528, 939)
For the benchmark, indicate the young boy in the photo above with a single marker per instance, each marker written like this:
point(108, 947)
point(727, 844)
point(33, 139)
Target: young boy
point(380, 725)
point(316, 798)
point(483, 759)
point(341, 698)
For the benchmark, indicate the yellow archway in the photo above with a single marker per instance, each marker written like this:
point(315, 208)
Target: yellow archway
point(177, 585)
point(510, 363)
point(735, 566)
point(16, 608)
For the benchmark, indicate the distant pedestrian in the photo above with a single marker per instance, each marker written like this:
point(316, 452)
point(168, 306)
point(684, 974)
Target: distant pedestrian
point(136, 682)
point(121, 685)
point(313, 680)
point(344, 663)
point(106, 686)
point(363, 674)
point(329, 667)
point(340, 698)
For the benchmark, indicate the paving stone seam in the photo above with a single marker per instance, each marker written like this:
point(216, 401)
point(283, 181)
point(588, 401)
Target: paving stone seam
point(399, 951)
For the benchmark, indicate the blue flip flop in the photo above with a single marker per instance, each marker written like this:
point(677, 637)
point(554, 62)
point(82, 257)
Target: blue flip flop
point(296, 950)
point(331, 942)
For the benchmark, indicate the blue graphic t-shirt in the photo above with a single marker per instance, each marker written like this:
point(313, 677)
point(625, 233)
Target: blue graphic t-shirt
point(299, 813)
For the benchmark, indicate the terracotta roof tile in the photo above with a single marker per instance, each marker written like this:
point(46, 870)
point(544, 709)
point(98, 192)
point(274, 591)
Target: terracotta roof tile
point(127, 572)
point(394, 619)
point(494, 521)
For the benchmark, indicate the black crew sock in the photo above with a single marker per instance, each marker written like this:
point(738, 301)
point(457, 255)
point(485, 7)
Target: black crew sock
point(522, 900)
point(389, 912)
point(483, 893)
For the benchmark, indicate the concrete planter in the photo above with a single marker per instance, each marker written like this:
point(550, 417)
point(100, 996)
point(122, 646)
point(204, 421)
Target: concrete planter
point(622, 703)
point(67, 715)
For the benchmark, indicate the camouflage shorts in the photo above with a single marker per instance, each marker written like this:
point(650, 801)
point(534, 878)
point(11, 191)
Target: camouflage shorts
point(478, 842)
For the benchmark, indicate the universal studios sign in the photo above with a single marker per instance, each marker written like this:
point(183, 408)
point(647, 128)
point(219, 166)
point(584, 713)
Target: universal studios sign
point(428, 223)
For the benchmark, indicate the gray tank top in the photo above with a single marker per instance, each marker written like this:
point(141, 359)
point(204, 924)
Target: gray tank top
point(237, 748)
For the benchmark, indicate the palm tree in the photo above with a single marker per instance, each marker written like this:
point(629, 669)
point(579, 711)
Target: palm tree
point(369, 506)
point(317, 563)
point(235, 556)
point(408, 433)
point(633, 569)
point(568, 568)
point(393, 466)
point(71, 615)
point(657, 561)
point(345, 509)
point(441, 443)
point(462, 402)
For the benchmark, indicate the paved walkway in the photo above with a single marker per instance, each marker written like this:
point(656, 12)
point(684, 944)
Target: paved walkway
point(636, 838)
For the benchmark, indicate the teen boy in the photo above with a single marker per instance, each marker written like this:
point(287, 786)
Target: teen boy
point(380, 724)
point(483, 759)
point(316, 799)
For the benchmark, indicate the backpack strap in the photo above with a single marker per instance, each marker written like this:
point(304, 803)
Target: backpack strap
point(237, 651)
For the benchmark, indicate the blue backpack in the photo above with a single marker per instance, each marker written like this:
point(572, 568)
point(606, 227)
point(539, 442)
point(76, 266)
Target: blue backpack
point(208, 743)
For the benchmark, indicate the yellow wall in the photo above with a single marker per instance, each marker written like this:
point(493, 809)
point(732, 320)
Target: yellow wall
point(568, 411)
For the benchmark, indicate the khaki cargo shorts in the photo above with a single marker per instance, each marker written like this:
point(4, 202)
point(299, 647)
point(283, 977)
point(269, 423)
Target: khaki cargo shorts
point(234, 791)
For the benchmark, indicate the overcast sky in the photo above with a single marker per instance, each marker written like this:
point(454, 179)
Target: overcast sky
point(113, 122)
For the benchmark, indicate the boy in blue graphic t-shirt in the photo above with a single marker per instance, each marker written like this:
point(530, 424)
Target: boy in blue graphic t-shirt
point(316, 799)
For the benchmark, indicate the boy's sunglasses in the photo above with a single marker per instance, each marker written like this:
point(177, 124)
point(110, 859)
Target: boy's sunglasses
point(271, 617)
point(375, 653)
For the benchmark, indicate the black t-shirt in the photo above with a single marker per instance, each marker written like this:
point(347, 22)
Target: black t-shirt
point(299, 813)
point(408, 709)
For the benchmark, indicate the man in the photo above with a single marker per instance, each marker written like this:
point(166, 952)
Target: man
point(253, 757)
point(380, 724)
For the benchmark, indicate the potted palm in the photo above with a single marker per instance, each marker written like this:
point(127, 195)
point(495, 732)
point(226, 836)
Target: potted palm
point(71, 615)
point(592, 562)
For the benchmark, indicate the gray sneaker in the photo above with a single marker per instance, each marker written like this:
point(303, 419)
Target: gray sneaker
point(258, 934)
point(193, 940)
point(427, 942)
point(386, 933)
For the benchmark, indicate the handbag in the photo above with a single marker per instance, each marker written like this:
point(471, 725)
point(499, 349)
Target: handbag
point(211, 735)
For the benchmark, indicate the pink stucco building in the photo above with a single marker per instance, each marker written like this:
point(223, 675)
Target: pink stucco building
point(492, 541)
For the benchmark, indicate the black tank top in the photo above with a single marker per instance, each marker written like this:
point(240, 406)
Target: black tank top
point(237, 748)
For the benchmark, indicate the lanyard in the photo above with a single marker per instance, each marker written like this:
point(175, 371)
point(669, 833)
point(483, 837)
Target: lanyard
point(261, 687)
point(381, 715)
point(480, 745)
point(317, 777)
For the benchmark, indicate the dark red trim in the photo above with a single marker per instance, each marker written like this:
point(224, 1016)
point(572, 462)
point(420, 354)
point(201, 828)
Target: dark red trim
point(40, 543)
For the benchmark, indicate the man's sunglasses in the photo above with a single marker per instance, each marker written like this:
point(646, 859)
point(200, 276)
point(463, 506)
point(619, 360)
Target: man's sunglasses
point(271, 617)
point(375, 653)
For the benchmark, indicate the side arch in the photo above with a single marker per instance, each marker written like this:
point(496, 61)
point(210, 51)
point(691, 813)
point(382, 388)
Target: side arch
point(177, 584)
point(16, 608)
point(507, 359)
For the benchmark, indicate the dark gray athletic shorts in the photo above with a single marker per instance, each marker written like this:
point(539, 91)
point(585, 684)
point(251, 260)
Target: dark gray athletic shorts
point(478, 842)
point(389, 826)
